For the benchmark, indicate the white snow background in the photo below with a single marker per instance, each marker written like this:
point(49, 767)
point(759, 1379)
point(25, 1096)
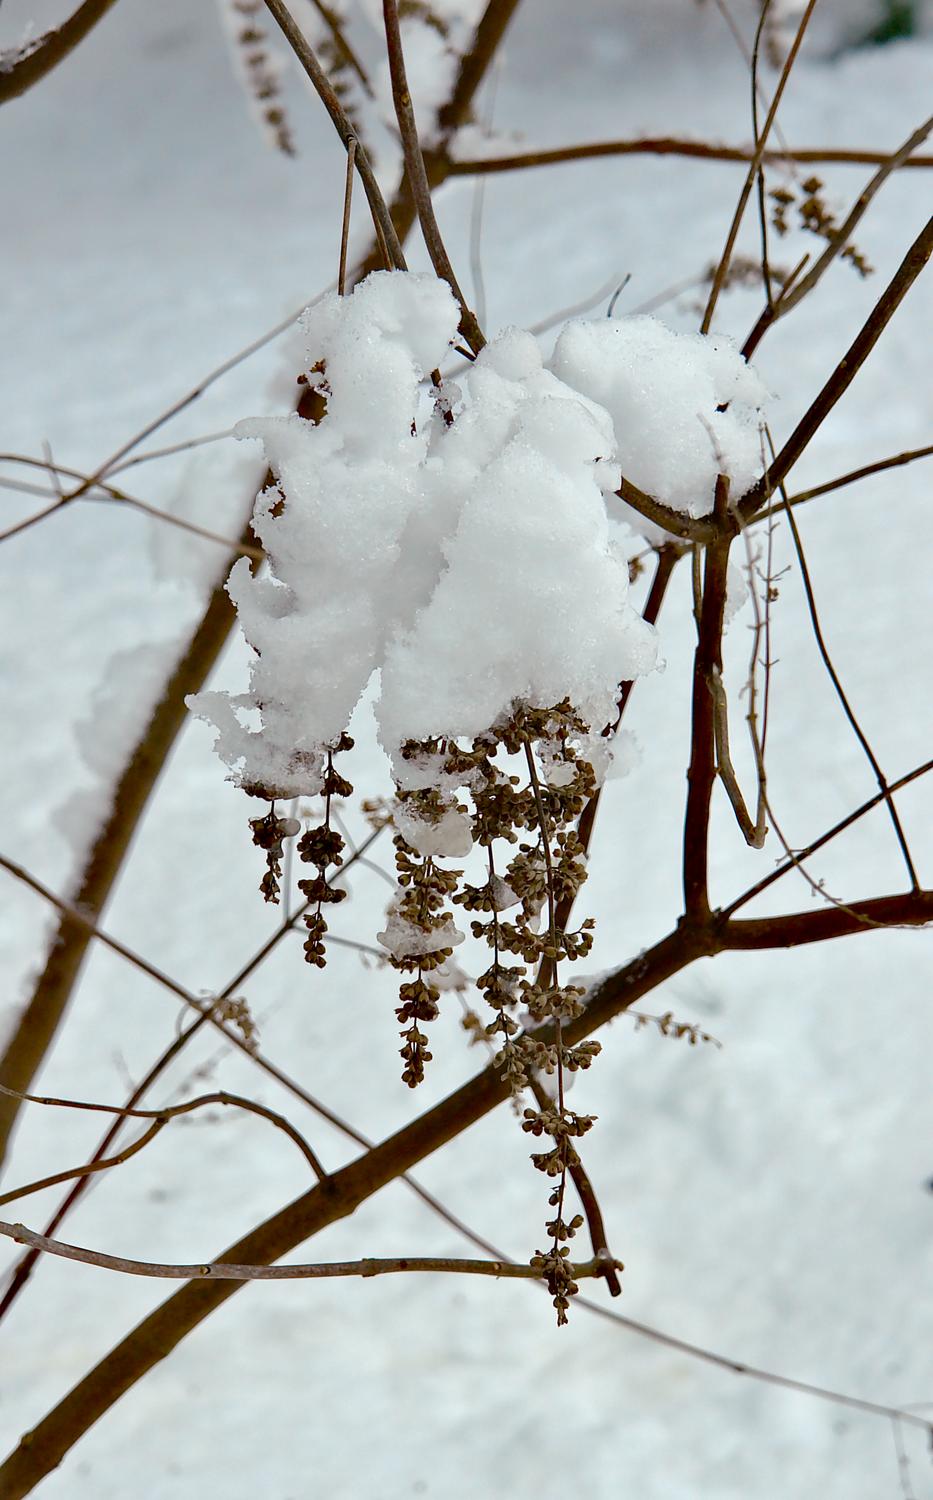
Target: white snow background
point(770, 1199)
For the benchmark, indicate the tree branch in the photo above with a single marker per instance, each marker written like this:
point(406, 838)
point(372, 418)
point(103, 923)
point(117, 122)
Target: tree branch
point(382, 219)
point(701, 773)
point(670, 146)
point(319, 1271)
point(418, 177)
point(844, 373)
point(21, 69)
point(43, 1449)
point(912, 909)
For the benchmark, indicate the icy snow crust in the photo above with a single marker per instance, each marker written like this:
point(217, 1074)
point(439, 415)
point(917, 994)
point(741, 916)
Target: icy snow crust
point(472, 560)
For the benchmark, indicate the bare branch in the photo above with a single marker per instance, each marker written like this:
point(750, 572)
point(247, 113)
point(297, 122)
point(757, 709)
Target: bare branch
point(845, 372)
point(701, 774)
point(160, 1117)
point(19, 71)
point(754, 167)
point(224, 1271)
point(911, 909)
point(792, 295)
point(418, 177)
point(306, 56)
point(670, 146)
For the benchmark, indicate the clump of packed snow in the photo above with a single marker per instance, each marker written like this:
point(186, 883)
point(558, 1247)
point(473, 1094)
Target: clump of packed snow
point(685, 406)
point(458, 538)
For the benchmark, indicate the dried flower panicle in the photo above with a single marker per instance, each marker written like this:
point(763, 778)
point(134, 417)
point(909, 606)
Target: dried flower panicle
point(322, 847)
point(814, 216)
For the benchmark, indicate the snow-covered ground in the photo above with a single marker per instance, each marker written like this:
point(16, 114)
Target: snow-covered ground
point(770, 1199)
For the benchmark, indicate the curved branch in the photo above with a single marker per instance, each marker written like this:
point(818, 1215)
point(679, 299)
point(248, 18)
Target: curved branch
point(43, 1449)
point(382, 219)
point(417, 175)
point(912, 909)
point(318, 1271)
point(845, 372)
point(21, 69)
point(670, 146)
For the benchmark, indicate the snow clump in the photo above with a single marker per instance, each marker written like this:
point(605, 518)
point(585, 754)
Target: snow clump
point(459, 540)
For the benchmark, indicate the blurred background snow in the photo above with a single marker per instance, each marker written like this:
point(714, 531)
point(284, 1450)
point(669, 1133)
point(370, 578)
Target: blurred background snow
point(771, 1200)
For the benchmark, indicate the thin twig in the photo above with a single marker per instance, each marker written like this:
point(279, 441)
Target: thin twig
point(672, 146)
point(825, 838)
point(723, 267)
point(418, 177)
point(20, 72)
point(844, 373)
point(325, 92)
point(839, 239)
point(225, 1271)
point(159, 1117)
point(345, 228)
point(840, 692)
point(88, 483)
point(909, 456)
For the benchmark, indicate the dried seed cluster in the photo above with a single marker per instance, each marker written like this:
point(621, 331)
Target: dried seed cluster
point(814, 216)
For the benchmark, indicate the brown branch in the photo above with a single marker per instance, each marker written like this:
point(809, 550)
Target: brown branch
point(213, 1015)
point(825, 838)
point(677, 522)
point(40, 1019)
point(701, 773)
point(89, 482)
point(722, 268)
point(20, 70)
point(668, 557)
point(590, 1204)
point(671, 146)
point(911, 909)
point(42, 1449)
point(840, 238)
point(844, 373)
point(102, 1164)
point(418, 177)
point(319, 1271)
point(909, 456)
point(840, 692)
point(159, 1117)
point(382, 218)
point(43, 1013)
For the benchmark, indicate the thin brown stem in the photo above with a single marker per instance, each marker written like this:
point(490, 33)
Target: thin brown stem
point(839, 239)
point(722, 270)
point(345, 227)
point(825, 838)
point(672, 146)
point(845, 372)
point(701, 774)
point(325, 92)
point(34, 61)
point(909, 456)
point(841, 694)
point(319, 1271)
point(161, 1117)
point(417, 174)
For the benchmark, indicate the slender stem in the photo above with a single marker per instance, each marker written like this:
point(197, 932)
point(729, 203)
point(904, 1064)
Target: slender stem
point(345, 228)
point(671, 146)
point(722, 270)
point(225, 1271)
point(325, 92)
point(35, 61)
point(418, 177)
point(791, 295)
point(845, 372)
point(701, 773)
